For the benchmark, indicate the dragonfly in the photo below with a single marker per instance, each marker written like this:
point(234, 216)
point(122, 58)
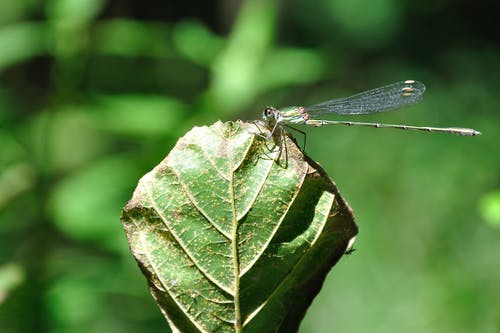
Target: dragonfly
point(385, 98)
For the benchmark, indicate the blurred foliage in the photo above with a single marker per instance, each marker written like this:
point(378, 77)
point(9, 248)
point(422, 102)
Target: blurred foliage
point(489, 206)
point(94, 93)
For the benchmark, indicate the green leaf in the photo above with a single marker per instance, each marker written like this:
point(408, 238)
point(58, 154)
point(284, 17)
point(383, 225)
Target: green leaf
point(11, 276)
point(229, 239)
point(489, 208)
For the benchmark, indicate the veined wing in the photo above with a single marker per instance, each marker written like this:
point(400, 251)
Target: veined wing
point(380, 99)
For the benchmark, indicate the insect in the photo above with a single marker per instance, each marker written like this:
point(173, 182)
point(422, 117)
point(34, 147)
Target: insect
point(380, 99)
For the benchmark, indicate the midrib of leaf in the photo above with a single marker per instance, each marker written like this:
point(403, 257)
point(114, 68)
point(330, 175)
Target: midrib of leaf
point(234, 250)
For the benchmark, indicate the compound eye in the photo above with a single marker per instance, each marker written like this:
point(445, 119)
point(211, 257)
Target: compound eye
point(268, 112)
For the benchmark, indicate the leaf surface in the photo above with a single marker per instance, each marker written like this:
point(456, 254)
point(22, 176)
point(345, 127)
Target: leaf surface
point(235, 234)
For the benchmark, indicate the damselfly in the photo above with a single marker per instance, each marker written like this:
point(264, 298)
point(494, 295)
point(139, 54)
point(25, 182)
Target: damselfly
point(385, 98)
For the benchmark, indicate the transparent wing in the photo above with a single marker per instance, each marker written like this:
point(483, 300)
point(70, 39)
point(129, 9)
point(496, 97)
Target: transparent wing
point(385, 98)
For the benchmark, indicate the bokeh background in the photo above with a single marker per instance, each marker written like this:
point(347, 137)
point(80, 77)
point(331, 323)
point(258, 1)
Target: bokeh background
point(94, 93)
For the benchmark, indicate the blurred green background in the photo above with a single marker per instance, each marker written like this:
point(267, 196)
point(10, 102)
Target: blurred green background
point(94, 93)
